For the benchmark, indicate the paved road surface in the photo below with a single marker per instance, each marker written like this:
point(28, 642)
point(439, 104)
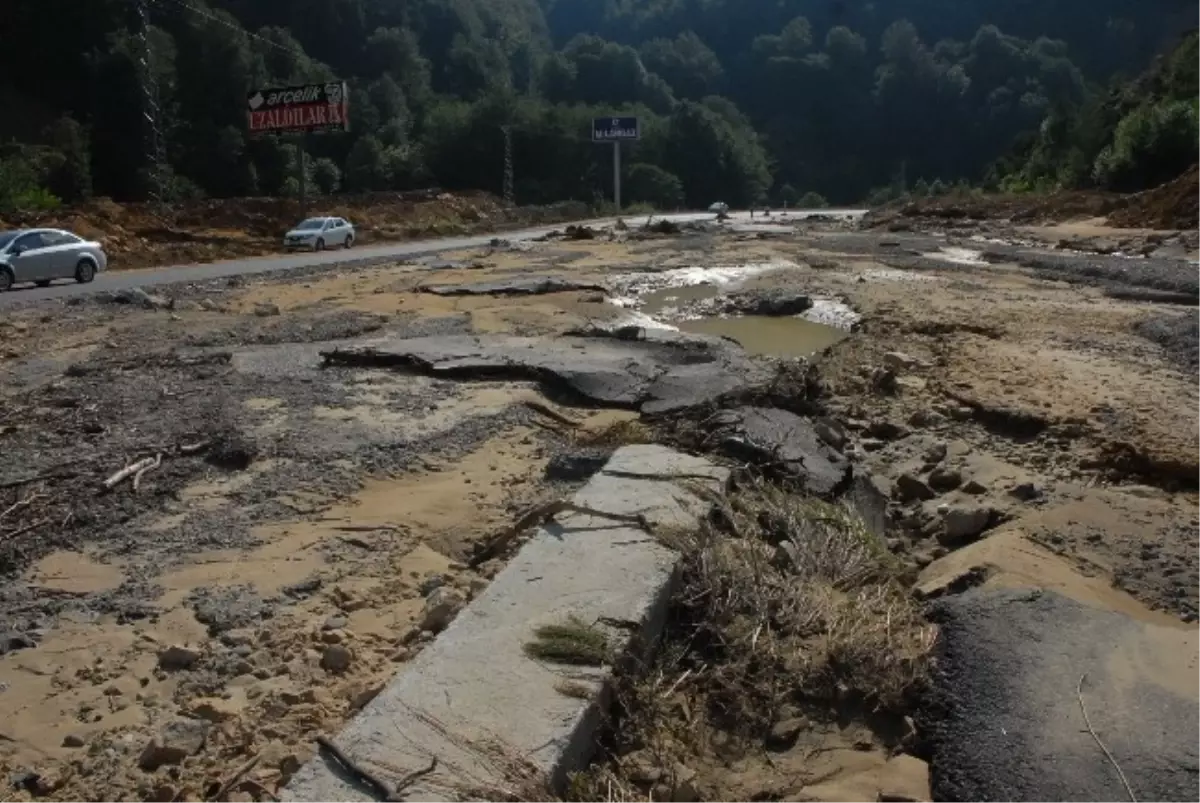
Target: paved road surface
point(122, 279)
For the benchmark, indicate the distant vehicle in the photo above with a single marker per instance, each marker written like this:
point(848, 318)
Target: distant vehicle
point(319, 233)
point(43, 255)
point(720, 207)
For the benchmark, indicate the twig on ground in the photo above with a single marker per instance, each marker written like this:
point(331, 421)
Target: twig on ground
point(540, 514)
point(137, 478)
point(370, 779)
point(127, 472)
point(20, 503)
point(538, 407)
point(1088, 722)
point(25, 529)
point(51, 474)
point(192, 448)
point(226, 787)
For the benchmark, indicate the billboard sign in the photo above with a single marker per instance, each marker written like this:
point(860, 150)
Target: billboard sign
point(615, 129)
point(296, 109)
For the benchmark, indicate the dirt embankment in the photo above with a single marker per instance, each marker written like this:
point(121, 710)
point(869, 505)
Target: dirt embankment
point(1174, 205)
point(324, 456)
point(137, 235)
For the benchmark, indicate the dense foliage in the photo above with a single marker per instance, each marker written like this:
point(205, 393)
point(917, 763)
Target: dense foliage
point(1137, 135)
point(797, 100)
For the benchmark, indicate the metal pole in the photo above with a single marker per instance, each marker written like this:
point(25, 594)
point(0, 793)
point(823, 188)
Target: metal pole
point(617, 173)
point(303, 179)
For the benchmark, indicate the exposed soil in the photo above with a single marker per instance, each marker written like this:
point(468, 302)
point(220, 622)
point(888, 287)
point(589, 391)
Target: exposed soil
point(290, 538)
point(137, 235)
point(1174, 205)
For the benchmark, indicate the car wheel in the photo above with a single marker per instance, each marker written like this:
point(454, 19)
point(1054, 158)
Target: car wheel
point(319, 245)
point(42, 282)
point(85, 271)
point(6, 279)
point(349, 240)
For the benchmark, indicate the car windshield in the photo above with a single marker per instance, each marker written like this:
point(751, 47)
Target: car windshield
point(7, 237)
point(311, 223)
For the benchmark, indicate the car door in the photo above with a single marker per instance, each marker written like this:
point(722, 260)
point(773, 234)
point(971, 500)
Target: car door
point(28, 257)
point(60, 250)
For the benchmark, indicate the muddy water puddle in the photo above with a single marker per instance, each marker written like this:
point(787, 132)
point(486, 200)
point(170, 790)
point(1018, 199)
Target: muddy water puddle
point(781, 336)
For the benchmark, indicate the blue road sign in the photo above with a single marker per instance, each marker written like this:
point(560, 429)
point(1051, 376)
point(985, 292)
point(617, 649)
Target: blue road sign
point(615, 129)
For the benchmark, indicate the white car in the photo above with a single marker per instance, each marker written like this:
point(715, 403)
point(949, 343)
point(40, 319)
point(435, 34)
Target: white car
point(319, 233)
point(43, 255)
point(720, 207)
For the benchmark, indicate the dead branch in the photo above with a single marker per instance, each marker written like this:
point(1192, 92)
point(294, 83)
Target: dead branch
point(1100, 744)
point(25, 529)
point(540, 514)
point(192, 448)
point(20, 503)
point(128, 471)
point(223, 791)
point(549, 412)
point(137, 478)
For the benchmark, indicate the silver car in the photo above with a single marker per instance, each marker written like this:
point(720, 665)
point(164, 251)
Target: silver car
point(43, 255)
point(319, 233)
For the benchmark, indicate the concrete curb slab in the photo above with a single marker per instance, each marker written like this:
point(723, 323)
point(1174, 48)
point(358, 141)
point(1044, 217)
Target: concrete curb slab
point(473, 698)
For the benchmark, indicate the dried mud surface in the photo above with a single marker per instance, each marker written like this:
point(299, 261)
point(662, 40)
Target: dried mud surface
point(291, 549)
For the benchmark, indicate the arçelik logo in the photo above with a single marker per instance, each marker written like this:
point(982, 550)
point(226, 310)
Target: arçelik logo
point(256, 100)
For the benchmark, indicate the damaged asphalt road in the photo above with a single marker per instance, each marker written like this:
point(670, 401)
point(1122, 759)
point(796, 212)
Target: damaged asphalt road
point(662, 372)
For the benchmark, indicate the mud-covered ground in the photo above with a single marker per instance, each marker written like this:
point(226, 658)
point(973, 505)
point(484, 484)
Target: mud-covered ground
point(304, 528)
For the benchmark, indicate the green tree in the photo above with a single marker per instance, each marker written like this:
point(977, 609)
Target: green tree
point(365, 166)
point(71, 180)
point(327, 177)
point(647, 183)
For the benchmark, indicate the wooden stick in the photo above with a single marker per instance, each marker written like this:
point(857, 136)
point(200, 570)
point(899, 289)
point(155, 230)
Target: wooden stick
point(540, 514)
point(25, 529)
point(1100, 744)
point(137, 478)
point(228, 785)
point(128, 471)
point(20, 503)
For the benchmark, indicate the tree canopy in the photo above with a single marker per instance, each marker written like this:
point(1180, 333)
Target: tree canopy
point(742, 102)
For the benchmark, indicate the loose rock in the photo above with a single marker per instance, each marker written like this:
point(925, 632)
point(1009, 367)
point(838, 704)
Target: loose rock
point(440, 608)
point(336, 658)
point(176, 657)
point(962, 524)
point(945, 479)
point(176, 741)
point(909, 488)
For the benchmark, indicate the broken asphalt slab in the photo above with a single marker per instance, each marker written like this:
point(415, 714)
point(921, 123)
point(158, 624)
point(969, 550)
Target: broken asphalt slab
point(524, 286)
point(474, 699)
point(784, 440)
point(662, 372)
point(1006, 721)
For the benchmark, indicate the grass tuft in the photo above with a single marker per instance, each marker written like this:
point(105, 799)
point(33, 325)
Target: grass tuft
point(573, 642)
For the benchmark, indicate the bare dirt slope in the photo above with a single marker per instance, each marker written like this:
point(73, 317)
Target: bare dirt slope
point(137, 235)
point(305, 529)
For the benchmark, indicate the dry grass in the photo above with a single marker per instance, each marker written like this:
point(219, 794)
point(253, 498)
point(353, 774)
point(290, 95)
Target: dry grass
point(786, 604)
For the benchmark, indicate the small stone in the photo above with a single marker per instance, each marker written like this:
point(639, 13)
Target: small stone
point(336, 658)
point(266, 310)
point(926, 418)
point(176, 741)
point(359, 700)
point(886, 430)
point(960, 413)
point(73, 740)
point(477, 586)
point(945, 479)
point(1025, 491)
point(936, 453)
point(909, 488)
point(332, 637)
point(905, 779)
point(974, 487)
point(401, 655)
point(783, 733)
point(963, 524)
point(899, 361)
point(335, 622)
point(176, 657)
point(830, 432)
point(640, 767)
point(440, 608)
point(431, 583)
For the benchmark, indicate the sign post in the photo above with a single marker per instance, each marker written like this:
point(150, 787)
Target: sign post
point(616, 130)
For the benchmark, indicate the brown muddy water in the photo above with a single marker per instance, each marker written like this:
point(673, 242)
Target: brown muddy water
point(785, 336)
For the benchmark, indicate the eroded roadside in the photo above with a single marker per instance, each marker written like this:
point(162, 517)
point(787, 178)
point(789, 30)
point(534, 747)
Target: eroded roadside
point(336, 446)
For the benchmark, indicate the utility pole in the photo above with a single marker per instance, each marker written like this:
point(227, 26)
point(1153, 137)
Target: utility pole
point(508, 164)
point(617, 173)
point(155, 147)
point(302, 179)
